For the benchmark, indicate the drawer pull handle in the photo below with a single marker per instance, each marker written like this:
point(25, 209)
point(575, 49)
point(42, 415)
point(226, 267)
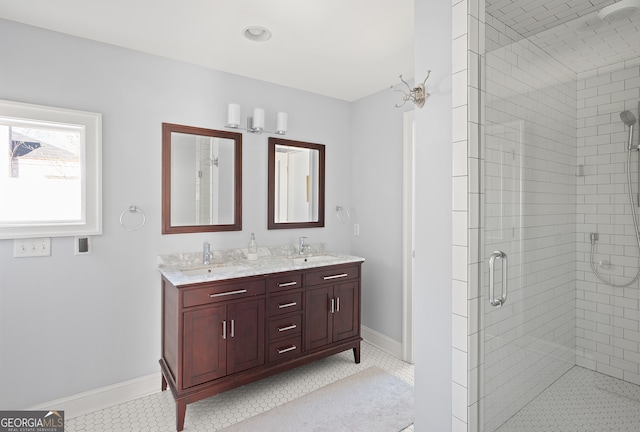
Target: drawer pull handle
point(286, 305)
point(224, 329)
point(242, 291)
point(286, 284)
point(284, 350)
point(289, 327)
point(341, 275)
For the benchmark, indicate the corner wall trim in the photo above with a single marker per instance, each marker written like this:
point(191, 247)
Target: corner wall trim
point(104, 397)
point(382, 341)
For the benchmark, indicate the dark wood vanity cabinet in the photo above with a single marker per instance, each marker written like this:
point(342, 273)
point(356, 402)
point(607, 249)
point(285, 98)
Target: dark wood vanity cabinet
point(332, 306)
point(222, 340)
point(220, 335)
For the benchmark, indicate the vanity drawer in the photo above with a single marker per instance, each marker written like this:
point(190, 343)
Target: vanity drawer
point(222, 292)
point(285, 348)
point(284, 327)
point(332, 274)
point(285, 303)
point(285, 282)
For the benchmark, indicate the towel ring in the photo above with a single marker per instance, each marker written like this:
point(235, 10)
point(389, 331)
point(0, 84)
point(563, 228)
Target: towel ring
point(342, 214)
point(132, 209)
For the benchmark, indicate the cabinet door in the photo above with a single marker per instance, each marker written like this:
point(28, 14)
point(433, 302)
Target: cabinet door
point(246, 335)
point(346, 317)
point(317, 317)
point(205, 354)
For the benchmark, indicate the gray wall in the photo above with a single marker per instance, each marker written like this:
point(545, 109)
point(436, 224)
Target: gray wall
point(433, 161)
point(69, 323)
point(376, 142)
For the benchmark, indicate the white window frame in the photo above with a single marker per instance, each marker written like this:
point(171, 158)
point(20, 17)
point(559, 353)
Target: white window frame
point(91, 170)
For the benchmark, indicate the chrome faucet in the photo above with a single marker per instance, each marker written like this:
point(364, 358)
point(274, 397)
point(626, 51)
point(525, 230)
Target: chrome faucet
point(206, 253)
point(302, 247)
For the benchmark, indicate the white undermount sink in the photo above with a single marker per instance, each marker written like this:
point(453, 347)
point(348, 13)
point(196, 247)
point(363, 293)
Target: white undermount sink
point(211, 270)
point(303, 259)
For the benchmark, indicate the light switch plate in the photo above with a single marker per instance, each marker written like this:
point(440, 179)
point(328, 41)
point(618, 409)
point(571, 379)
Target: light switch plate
point(35, 247)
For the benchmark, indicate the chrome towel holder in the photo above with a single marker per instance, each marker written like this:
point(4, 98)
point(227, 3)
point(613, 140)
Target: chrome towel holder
point(132, 209)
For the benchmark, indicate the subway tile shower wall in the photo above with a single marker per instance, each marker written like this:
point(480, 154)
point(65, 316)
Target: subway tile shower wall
point(530, 201)
point(608, 320)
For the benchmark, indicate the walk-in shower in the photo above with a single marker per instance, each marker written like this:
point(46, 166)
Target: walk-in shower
point(559, 93)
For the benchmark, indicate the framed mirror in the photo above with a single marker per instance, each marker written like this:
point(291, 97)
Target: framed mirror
point(296, 184)
point(201, 180)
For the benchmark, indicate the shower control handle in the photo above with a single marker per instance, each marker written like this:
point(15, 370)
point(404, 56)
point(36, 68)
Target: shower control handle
point(499, 301)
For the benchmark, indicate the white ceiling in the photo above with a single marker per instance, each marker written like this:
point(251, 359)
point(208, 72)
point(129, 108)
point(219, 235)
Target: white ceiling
point(345, 49)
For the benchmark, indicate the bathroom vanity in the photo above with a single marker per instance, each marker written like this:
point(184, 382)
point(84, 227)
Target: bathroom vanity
point(227, 325)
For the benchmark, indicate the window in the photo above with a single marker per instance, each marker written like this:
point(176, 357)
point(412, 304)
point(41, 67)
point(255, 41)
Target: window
point(50, 171)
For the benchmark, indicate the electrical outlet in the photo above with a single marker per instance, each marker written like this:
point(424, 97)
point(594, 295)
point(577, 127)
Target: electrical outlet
point(356, 229)
point(25, 248)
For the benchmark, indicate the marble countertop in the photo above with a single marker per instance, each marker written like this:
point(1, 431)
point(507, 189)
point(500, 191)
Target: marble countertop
point(187, 268)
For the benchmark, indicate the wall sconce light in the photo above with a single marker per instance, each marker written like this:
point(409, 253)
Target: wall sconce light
point(255, 124)
point(418, 94)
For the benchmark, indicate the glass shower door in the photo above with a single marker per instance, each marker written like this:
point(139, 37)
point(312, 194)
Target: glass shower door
point(528, 190)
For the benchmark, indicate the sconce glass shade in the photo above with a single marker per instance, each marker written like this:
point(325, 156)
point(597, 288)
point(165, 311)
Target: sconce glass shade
point(282, 119)
point(256, 124)
point(233, 115)
point(258, 118)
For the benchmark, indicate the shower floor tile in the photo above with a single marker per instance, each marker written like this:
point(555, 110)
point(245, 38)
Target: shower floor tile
point(581, 401)
point(156, 412)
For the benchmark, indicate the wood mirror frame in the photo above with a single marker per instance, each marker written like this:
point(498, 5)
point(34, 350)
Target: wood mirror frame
point(271, 222)
point(171, 228)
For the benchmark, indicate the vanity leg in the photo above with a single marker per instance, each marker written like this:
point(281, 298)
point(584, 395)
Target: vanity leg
point(356, 353)
point(181, 410)
point(164, 383)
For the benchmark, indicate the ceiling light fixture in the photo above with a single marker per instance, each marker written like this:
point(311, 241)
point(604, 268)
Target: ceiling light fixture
point(257, 34)
point(619, 11)
point(255, 124)
point(418, 94)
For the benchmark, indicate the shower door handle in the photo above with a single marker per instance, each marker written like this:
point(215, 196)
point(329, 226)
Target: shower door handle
point(499, 301)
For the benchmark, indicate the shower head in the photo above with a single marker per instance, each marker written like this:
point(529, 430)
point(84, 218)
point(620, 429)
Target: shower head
point(628, 118)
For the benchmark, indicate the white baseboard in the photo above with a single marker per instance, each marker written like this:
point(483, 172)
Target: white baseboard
point(103, 397)
point(384, 342)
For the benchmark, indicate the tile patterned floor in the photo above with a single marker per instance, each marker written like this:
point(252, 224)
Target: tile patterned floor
point(581, 401)
point(156, 412)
